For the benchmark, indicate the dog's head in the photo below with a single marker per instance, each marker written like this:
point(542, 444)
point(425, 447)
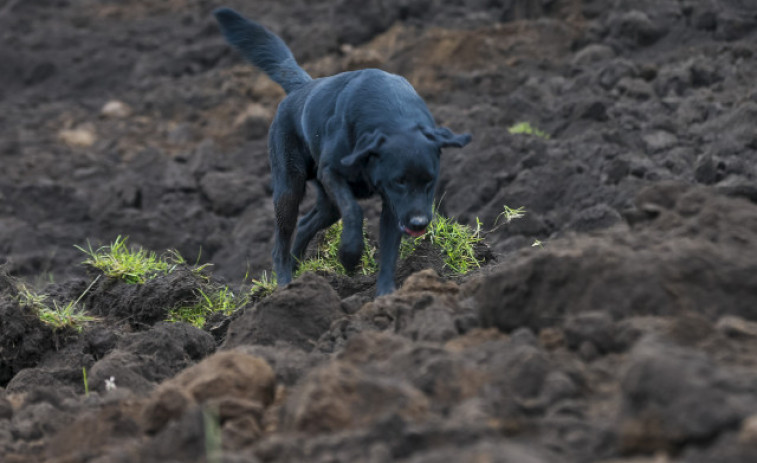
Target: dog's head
point(403, 166)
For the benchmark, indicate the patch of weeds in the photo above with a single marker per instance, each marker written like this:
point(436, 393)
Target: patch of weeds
point(65, 316)
point(58, 316)
point(264, 286)
point(134, 265)
point(223, 300)
point(30, 298)
point(326, 258)
point(528, 129)
point(457, 242)
point(509, 214)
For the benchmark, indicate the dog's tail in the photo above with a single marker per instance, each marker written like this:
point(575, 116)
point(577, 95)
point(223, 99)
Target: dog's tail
point(261, 46)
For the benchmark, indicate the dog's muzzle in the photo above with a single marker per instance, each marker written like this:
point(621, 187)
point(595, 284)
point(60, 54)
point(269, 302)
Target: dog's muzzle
point(416, 227)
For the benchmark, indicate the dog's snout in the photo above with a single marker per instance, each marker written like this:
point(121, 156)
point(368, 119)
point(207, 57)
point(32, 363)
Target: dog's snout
point(418, 223)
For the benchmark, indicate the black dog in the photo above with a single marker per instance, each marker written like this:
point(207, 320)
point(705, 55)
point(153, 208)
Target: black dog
point(353, 134)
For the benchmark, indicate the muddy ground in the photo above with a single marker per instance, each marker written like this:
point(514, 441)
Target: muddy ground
point(629, 336)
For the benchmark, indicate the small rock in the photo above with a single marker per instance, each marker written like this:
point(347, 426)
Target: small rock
point(80, 137)
point(659, 140)
point(116, 109)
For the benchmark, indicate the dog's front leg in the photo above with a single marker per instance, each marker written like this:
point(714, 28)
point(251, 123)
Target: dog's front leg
point(351, 249)
point(389, 245)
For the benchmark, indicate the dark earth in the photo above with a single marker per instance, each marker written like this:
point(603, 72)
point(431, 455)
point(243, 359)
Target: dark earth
point(629, 336)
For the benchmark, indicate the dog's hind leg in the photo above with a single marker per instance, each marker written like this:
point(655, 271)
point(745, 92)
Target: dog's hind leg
point(288, 180)
point(286, 203)
point(390, 236)
point(323, 215)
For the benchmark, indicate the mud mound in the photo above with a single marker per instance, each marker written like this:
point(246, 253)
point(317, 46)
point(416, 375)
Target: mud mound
point(144, 304)
point(24, 339)
point(234, 380)
point(235, 389)
point(684, 252)
point(296, 315)
point(147, 358)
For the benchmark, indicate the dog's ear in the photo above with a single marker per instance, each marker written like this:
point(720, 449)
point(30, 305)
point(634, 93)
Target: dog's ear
point(444, 137)
point(366, 145)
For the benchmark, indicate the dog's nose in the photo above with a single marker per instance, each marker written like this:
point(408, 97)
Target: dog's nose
point(418, 223)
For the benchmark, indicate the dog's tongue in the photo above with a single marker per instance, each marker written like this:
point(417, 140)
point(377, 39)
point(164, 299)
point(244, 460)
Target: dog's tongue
point(414, 234)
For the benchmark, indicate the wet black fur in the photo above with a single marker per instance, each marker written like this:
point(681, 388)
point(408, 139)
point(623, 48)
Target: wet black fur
point(352, 134)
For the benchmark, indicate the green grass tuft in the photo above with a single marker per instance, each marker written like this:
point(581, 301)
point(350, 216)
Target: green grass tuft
point(54, 314)
point(509, 214)
point(65, 316)
point(528, 129)
point(132, 264)
point(327, 255)
point(457, 242)
point(264, 286)
point(223, 300)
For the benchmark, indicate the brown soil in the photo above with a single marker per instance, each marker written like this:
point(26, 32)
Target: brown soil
point(630, 335)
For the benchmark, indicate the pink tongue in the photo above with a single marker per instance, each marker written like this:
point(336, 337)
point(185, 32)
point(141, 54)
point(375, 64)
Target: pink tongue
point(414, 234)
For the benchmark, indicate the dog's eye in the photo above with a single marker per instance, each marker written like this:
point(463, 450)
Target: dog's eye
point(402, 181)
